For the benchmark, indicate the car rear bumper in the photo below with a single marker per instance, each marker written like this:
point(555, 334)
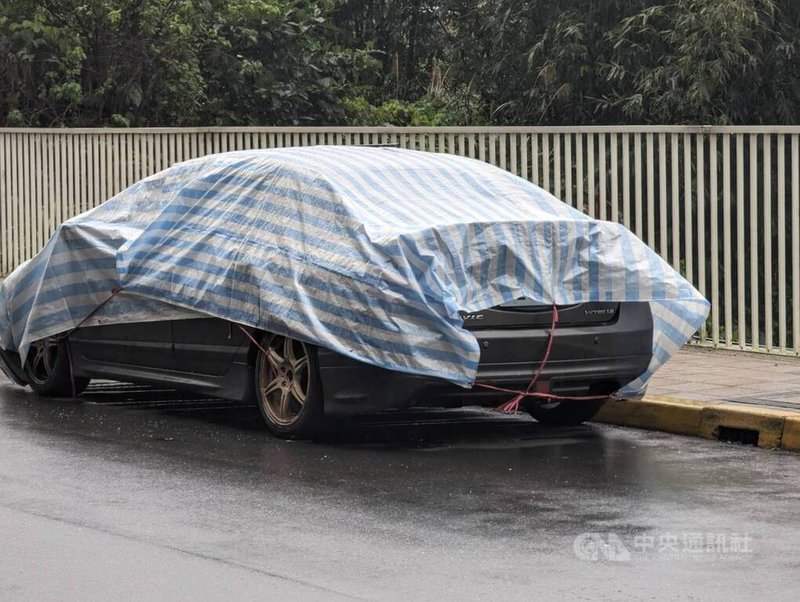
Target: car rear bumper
point(595, 359)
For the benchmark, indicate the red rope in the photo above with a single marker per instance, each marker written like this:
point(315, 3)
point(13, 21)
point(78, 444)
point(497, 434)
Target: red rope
point(91, 314)
point(512, 405)
point(252, 339)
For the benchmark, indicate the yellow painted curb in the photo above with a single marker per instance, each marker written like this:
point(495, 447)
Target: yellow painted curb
point(652, 414)
point(791, 433)
point(773, 427)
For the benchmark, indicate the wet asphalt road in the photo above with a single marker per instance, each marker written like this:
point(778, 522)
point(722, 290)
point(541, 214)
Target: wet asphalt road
point(137, 493)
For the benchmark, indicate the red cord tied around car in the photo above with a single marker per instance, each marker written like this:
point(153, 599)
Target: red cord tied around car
point(512, 405)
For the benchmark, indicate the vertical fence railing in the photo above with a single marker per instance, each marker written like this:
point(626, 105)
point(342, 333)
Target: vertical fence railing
point(720, 204)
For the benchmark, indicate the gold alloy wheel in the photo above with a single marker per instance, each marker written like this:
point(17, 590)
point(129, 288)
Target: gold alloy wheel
point(43, 356)
point(284, 379)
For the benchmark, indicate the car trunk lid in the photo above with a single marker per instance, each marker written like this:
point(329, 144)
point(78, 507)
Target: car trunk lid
point(524, 313)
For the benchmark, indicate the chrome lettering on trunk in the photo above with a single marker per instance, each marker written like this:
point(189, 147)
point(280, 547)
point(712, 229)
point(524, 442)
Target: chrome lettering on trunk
point(598, 312)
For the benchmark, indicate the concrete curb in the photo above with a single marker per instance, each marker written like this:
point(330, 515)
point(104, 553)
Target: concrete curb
point(766, 427)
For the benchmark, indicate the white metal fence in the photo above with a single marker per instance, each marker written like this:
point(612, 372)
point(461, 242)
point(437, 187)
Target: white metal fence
point(721, 204)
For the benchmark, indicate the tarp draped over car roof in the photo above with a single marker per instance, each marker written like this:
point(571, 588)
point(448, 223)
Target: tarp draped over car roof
point(370, 252)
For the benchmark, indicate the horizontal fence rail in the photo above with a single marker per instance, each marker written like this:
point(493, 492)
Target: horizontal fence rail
point(721, 204)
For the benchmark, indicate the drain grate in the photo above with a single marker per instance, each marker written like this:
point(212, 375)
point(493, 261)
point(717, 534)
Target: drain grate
point(737, 435)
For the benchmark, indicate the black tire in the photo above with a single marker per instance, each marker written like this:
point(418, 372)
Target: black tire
point(566, 412)
point(288, 388)
point(47, 370)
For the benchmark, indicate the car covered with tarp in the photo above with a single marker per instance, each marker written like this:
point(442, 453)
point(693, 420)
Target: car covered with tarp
point(379, 255)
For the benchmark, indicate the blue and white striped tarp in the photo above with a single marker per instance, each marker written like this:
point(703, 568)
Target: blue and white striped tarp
point(371, 252)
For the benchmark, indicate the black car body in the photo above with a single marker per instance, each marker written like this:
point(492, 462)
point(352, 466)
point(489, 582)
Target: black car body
point(596, 349)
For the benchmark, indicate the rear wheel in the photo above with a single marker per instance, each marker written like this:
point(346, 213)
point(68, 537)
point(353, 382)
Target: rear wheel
point(288, 389)
point(47, 369)
point(565, 412)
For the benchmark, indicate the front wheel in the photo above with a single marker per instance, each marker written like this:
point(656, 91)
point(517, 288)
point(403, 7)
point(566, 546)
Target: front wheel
point(566, 412)
point(288, 388)
point(48, 372)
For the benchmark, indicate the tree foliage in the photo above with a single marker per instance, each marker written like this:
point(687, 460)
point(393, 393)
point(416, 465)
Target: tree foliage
point(228, 62)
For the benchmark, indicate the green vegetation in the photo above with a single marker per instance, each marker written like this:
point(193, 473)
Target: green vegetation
point(405, 62)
